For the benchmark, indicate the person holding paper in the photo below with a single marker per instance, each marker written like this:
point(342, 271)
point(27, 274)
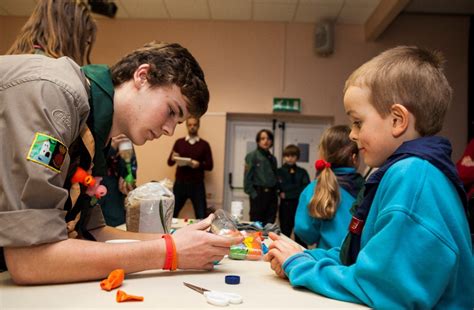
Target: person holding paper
point(193, 156)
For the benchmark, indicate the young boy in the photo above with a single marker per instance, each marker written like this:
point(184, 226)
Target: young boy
point(291, 182)
point(260, 181)
point(56, 118)
point(409, 244)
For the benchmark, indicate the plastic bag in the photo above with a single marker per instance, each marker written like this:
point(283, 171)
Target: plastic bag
point(149, 209)
point(223, 225)
point(250, 248)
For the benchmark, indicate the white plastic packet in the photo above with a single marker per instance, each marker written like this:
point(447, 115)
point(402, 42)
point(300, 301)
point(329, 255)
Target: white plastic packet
point(149, 209)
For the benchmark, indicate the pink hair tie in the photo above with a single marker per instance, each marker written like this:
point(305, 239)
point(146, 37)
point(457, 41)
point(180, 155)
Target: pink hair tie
point(320, 164)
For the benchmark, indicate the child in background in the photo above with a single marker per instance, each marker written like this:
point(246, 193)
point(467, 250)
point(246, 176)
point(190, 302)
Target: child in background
point(409, 244)
point(291, 181)
point(323, 213)
point(113, 204)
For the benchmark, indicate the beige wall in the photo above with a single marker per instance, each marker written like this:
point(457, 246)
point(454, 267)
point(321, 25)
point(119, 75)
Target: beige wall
point(247, 64)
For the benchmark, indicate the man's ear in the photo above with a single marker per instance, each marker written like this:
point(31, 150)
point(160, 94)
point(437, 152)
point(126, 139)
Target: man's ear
point(139, 76)
point(400, 119)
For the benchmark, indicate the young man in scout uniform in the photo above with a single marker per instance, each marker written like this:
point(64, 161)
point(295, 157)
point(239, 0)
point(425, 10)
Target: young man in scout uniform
point(56, 119)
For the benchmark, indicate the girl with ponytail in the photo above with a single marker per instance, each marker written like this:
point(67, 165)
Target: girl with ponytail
point(323, 213)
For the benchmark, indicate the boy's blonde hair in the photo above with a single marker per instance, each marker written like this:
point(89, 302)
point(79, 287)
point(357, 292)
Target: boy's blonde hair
point(337, 148)
point(412, 77)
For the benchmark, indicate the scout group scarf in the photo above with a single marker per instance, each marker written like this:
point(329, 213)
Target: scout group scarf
point(436, 150)
point(352, 181)
point(270, 158)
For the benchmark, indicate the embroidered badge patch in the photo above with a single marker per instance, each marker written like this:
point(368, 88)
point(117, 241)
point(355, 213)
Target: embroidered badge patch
point(47, 151)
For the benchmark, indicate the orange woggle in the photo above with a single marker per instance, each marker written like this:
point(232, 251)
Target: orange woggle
point(81, 176)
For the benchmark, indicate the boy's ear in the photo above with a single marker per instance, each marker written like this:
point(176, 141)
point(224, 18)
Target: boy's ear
point(139, 76)
point(400, 119)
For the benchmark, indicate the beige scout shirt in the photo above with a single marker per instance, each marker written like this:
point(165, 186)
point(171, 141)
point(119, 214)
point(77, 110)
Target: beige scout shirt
point(37, 95)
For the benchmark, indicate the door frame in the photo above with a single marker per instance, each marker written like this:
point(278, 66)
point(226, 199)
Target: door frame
point(274, 119)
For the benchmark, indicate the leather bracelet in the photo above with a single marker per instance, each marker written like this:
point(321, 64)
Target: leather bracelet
point(169, 252)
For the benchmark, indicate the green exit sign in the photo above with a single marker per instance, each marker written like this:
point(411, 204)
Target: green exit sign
point(286, 105)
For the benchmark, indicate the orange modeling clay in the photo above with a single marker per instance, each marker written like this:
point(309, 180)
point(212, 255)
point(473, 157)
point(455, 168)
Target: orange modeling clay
point(114, 280)
point(122, 296)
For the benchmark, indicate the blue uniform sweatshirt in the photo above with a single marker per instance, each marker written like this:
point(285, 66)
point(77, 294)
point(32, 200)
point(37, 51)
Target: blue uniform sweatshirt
point(326, 233)
point(416, 250)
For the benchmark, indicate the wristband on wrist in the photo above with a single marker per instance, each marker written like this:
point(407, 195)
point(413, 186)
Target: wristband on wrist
point(174, 262)
point(171, 259)
point(169, 252)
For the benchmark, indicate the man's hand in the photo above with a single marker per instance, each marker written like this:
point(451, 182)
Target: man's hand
point(279, 251)
point(199, 249)
point(173, 155)
point(194, 164)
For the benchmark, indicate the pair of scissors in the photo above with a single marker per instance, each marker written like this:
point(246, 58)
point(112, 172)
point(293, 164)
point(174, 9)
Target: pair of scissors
point(217, 298)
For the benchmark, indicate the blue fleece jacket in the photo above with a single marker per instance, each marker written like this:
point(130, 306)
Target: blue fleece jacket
point(416, 250)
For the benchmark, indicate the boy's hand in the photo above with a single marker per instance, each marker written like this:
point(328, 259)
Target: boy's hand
point(124, 187)
point(279, 251)
point(115, 141)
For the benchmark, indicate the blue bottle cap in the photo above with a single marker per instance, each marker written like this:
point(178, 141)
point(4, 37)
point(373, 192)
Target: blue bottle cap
point(232, 279)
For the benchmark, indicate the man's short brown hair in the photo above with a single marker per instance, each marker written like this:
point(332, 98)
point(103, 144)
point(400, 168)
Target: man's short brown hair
point(170, 64)
point(412, 77)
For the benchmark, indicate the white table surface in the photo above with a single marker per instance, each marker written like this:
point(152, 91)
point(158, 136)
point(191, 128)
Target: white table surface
point(259, 287)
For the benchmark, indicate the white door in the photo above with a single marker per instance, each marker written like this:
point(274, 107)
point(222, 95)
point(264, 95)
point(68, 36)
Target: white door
point(306, 137)
point(241, 140)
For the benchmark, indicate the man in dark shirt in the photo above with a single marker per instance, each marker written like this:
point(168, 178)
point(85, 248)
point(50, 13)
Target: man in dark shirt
point(193, 156)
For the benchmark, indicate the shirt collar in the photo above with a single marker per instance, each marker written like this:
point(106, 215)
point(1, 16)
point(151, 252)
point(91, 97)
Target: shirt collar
point(192, 140)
